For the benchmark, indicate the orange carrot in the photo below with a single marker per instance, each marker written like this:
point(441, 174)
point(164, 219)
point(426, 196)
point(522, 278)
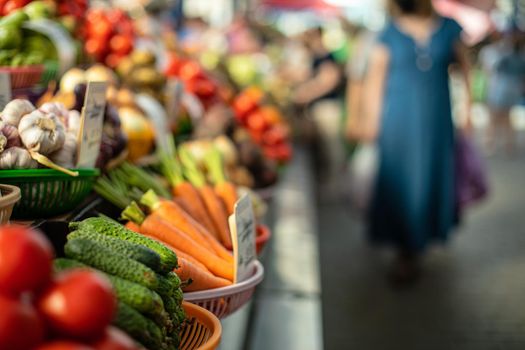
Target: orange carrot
point(196, 207)
point(155, 226)
point(130, 225)
point(223, 188)
point(201, 280)
point(176, 216)
point(217, 212)
point(228, 193)
point(180, 253)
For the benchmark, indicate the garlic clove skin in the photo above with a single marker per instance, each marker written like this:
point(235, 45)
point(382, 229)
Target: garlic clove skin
point(15, 110)
point(40, 132)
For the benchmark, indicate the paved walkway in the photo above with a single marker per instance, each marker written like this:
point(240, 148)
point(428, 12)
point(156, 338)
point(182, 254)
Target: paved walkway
point(472, 295)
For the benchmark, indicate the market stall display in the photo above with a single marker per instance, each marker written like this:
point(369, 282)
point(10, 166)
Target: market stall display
point(160, 251)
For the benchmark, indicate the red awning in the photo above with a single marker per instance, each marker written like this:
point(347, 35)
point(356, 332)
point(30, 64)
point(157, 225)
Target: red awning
point(299, 4)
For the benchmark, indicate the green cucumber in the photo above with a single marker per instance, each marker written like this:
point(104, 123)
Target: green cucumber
point(131, 250)
point(96, 255)
point(108, 227)
point(139, 327)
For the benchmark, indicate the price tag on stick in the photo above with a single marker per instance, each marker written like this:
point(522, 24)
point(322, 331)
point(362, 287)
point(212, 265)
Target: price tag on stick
point(242, 227)
point(5, 89)
point(91, 123)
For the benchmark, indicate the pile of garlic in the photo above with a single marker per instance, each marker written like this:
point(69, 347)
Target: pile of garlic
point(47, 135)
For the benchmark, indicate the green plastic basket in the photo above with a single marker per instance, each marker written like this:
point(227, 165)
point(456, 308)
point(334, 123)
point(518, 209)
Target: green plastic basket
point(47, 192)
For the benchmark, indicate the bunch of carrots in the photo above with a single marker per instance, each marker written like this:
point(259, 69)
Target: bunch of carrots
point(191, 218)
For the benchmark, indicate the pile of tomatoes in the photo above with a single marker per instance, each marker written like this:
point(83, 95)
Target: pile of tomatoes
point(109, 35)
point(42, 311)
point(265, 124)
point(196, 80)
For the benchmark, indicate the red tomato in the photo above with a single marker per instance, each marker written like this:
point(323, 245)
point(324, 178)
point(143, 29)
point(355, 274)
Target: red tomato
point(25, 259)
point(201, 87)
point(275, 135)
point(190, 70)
point(80, 304)
point(64, 345)
point(284, 152)
point(101, 29)
point(243, 105)
point(112, 60)
point(12, 5)
point(121, 44)
point(115, 339)
point(20, 327)
point(256, 122)
point(96, 48)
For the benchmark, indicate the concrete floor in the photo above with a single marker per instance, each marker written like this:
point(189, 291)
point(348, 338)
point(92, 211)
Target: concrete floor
point(472, 295)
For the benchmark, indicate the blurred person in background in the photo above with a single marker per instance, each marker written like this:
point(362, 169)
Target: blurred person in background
point(322, 92)
point(407, 110)
point(504, 63)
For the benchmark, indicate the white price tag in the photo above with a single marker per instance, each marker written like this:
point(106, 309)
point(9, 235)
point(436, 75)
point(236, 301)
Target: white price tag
point(157, 114)
point(91, 124)
point(5, 89)
point(64, 44)
point(242, 227)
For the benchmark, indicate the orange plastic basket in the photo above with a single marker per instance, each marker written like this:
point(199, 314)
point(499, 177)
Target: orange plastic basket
point(24, 77)
point(202, 331)
point(10, 195)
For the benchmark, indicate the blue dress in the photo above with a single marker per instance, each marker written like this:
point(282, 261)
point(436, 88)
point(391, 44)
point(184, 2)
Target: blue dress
point(413, 201)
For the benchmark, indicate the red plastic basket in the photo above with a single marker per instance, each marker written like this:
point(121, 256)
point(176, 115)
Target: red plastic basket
point(263, 235)
point(224, 301)
point(24, 77)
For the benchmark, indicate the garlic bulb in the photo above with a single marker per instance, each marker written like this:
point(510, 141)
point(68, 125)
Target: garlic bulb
point(43, 133)
point(66, 156)
point(56, 108)
point(11, 134)
point(15, 110)
point(73, 123)
point(17, 158)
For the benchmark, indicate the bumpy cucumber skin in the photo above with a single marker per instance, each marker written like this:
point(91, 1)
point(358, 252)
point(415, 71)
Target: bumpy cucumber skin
point(131, 250)
point(96, 255)
point(105, 226)
point(139, 327)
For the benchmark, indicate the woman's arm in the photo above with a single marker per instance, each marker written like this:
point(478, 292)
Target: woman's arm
point(373, 93)
point(463, 61)
point(323, 82)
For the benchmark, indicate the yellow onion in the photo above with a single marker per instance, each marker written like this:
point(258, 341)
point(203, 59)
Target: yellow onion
point(139, 131)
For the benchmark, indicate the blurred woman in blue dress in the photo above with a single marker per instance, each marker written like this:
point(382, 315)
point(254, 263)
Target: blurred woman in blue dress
point(407, 111)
